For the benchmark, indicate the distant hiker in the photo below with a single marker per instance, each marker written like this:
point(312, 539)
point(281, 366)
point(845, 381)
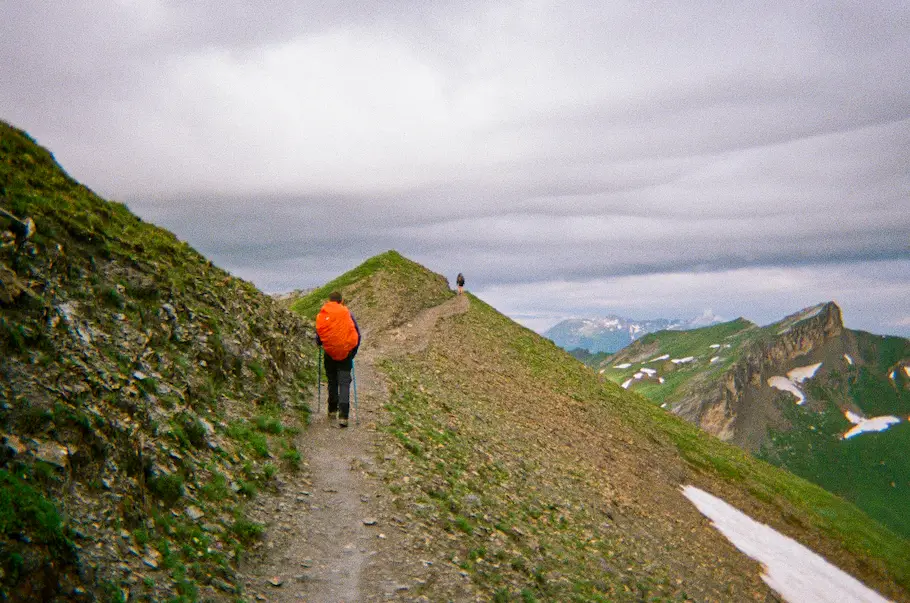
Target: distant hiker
point(338, 334)
point(459, 280)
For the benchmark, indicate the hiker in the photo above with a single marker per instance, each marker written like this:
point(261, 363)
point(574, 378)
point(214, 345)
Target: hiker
point(459, 280)
point(338, 334)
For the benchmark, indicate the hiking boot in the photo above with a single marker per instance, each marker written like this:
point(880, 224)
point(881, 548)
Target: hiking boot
point(333, 415)
point(342, 422)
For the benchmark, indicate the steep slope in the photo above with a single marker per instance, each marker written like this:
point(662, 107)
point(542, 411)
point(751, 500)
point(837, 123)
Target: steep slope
point(514, 463)
point(799, 393)
point(145, 396)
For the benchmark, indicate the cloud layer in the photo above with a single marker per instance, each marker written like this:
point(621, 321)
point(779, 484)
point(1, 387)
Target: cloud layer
point(538, 147)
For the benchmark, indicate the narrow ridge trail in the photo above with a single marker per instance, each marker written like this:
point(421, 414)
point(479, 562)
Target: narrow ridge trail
point(332, 533)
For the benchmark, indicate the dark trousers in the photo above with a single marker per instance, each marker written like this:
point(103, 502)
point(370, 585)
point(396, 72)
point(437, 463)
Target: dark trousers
point(338, 373)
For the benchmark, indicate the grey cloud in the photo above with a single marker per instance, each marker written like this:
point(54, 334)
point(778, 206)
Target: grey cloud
point(528, 142)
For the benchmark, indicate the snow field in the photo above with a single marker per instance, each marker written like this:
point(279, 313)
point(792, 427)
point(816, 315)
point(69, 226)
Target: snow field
point(792, 570)
point(863, 425)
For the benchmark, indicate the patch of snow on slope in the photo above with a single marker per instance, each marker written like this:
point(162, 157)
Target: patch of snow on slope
point(714, 359)
point(664, 357)
point(624, 365)
point(638, 375)
point(648, 371)
point(685, 360)
point(784, 384)
point(853, 417)
point(627, 383)
point(862, 425)
point(660, 379)
point(714, 345)
point(801, 373)
point(848, 359)
point(789, 568)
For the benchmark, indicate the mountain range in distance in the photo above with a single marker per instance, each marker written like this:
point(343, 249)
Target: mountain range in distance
point(612, 333)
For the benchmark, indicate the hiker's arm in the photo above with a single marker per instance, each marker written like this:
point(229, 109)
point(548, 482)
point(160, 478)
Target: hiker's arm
point(359, 336)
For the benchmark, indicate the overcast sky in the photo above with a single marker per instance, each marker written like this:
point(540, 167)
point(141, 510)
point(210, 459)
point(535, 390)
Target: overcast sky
point(649, 159)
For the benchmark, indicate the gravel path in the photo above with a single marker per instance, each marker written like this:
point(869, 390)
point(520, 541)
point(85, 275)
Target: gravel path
point(333, 535)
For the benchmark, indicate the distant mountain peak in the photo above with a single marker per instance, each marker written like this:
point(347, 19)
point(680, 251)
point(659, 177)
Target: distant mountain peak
point(611, 333)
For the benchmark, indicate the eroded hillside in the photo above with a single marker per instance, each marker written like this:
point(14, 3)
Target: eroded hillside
point(145, 396)
point(540, 482)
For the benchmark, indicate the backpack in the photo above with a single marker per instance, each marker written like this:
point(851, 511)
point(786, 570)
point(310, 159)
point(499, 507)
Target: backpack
point(336, 330)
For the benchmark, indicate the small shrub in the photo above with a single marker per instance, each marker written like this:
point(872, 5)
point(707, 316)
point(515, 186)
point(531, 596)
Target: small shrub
point(269, 470)
point(167, 487)
point(216, 488)
point(464, 525)
point(248, 488)
point(113, 297)
point(268, 424)
point(246, 531)
point(257, 370)
point(292, 456)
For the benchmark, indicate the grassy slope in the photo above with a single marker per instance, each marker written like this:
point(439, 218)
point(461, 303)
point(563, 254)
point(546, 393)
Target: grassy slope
point(872, 470)
point(407, 288)
point(679, 344)
point(549, 484)
point(127, 386)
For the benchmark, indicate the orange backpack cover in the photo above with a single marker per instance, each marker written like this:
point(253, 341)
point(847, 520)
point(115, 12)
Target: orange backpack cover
point(336, 330)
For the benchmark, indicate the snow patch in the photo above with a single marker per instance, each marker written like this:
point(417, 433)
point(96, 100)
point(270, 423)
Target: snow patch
point(685, 360)
point(714, 345)
point(863, 425)
point(660, 379)
point(624, 365)
point(853, 417)
point(848, 359)
point(715, 359)
point(801, 373)
point(784, 384)
point(627, 383)
point(638, 375)
point(648, 371)
point(794, 571)
point(664, 357)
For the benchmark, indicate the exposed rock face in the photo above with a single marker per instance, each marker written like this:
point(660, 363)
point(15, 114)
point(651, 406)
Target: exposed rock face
point(736, 410)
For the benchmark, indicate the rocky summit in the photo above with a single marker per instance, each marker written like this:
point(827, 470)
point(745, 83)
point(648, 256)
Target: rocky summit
point(157, 441)
point(806, 393)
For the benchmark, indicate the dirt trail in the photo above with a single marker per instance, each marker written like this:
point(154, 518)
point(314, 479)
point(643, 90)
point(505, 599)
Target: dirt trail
point(332, 535)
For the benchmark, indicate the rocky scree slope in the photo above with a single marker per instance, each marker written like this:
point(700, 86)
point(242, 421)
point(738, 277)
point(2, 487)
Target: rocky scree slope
point(512, 462)
point(727, 379)
point(145, 396)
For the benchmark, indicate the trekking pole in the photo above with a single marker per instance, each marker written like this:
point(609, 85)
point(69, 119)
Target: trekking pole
point(354, 380)
point(319, 382)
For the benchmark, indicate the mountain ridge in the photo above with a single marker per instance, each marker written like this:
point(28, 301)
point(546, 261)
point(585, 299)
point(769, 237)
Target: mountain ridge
point(791, 392)
point(153, 407)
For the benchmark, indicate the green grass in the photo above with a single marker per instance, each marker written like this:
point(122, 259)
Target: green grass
point(871, 470)
point(460, 460)
point(24, 509)
point(417, 287)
